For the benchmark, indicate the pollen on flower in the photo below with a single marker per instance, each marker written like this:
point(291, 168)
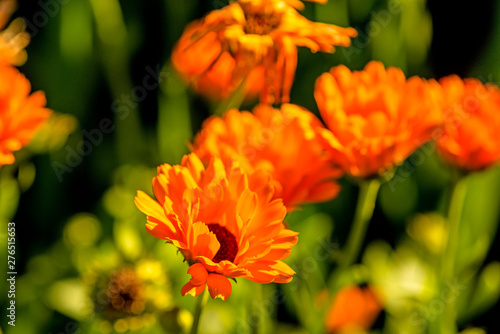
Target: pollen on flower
point(228, 245)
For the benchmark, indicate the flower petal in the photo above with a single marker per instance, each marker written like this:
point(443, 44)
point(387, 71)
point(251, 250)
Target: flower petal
point(202, 241)
point(198, 274)
point(193, 290)
point(219, 286)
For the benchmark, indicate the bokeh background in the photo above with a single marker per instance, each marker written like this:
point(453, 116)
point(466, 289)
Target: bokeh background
point(77, 226)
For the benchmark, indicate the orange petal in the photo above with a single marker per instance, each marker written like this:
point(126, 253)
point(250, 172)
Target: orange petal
point(203, 242)
point(219, 286)
point(198, 274)
point(159, 229)
point(148, 205)
point(193, 290)
point(247, 204)
point(193, 163)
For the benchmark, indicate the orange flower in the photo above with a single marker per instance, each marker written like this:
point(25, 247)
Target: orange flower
point(472, 123)
point(21, 114)
point(376, 118)
point(282, 142)
point(253, 39)
point(13, 39)
point(223, 221)
point(353, 309)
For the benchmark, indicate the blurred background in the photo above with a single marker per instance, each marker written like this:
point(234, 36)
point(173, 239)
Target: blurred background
point(104, 66)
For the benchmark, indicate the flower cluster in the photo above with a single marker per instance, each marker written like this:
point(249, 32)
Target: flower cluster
point(223, 206)
point(21, 113)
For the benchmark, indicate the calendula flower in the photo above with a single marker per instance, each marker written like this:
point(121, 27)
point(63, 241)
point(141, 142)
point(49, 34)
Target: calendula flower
point(472, 123)
point(375, 117)
point(224, 222)
point(21, 113)
point(353, 310)
point(252, 39)
point(280, 141)
point(13, 39)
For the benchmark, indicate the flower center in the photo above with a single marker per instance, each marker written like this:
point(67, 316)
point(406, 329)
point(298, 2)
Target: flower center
point(262, 18)
point(228, 245)
point(124, 291)
point(261, 24)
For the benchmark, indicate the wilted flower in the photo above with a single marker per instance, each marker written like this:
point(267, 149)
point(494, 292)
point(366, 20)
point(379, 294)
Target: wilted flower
point(281, 141)
point(472, 123)
point(224, 222)
point(253, 39)
point(21, 113)
point(375, 117)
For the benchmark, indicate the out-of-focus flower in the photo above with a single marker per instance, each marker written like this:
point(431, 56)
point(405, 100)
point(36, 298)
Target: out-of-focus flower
point(472, 123)
point(223, 221)
point(403, 277)
point(430, 230)
point(375, 117)
point(256, 40)
point(125, 293)
point(21, 113)
point(129, 297)
point(13, 39)
point(353, 310)
point(54, 133)
point(281, 141)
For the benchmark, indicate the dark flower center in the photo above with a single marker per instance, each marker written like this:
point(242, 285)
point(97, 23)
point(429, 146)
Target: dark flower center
point(228, 245)
point(261, 24)
point(125, 292)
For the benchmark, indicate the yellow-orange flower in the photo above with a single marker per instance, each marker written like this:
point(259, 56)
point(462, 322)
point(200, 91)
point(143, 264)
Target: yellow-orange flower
point(353, 309)
point(223, 221)
point(281, 141)
point(253, 39)
point(472, 123)
point(21, 113)
point(375, 117)
point(13, 39)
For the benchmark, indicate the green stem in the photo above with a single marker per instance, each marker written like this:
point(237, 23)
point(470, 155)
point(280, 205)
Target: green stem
point(114, 45)
point(449, 255)
point(257, 301)
point(201, 302)
point(364, 210)
point(233, 101)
